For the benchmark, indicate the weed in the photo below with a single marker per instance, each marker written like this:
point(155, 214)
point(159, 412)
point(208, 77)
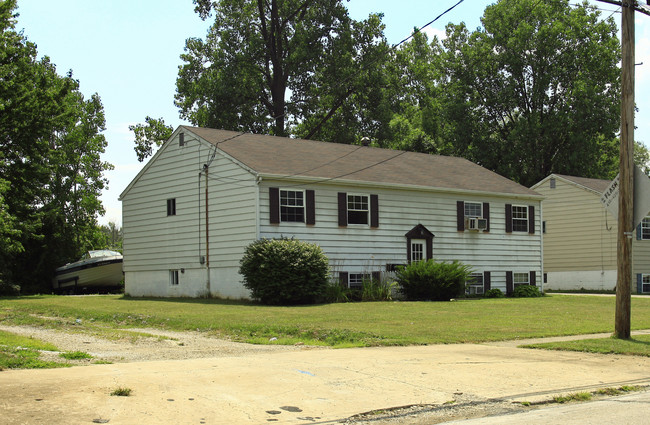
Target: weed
point(525, 403)
point(583, 396)
point(121, 392)
point(75, 355)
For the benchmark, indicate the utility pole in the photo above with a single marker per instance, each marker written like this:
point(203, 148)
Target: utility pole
point(626, 169)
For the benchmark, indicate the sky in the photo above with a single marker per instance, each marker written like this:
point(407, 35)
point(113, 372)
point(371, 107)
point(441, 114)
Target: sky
point(129, 52)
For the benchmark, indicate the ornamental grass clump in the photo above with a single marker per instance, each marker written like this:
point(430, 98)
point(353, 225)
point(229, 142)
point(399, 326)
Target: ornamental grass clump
point(432, 280)
point(284, 271)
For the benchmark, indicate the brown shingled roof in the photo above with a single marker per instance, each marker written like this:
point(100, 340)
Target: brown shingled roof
point(281, 156)
point(597, 185)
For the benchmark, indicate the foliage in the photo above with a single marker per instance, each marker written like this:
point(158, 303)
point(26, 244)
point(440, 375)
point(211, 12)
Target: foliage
point(284, 271)
point(377, 289)
point(334, 292)
point(581, 396)
point(534, 91)
point(18, 352)
point(52, 174)
point(153, 132)
point(494, 293)
point(526, 291)
point(114, 236)
point(360, 324)
point(432, 280)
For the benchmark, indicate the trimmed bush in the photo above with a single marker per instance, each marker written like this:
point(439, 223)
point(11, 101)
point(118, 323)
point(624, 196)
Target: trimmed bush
point(494, 293)
point(526, 291)
point(431, 280)
point(284, 271)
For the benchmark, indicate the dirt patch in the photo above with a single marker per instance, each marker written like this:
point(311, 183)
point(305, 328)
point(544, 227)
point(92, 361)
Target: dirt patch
point(150, 344)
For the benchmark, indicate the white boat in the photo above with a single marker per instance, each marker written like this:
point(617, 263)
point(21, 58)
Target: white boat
point(99, 271)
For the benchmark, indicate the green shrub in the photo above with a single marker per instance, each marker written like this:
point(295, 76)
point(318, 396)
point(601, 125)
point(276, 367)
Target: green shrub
point(377, 290)
point(8, 289)
point(284, 271)
point(526, 291)
point(334, 292)
point(431, 280)
point(494, 293)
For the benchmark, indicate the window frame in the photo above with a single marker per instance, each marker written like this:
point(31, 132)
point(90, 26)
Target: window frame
point(645, 228)
point(358, 280)
point(421, 252)
point(515, 275)
point(174, 277)
point(645, 284)
point(171, 207)
point(480, 205)
point(358, 211)
point(295, 207)
point(472, 283)
point(518, 221)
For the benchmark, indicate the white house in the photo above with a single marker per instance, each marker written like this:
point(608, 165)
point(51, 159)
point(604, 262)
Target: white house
point(206, 194)
point(580, 237)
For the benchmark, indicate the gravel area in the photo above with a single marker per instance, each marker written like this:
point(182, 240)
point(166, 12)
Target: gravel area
point(157, 345)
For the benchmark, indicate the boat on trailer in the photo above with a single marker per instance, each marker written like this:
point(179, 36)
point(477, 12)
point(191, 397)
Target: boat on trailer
point(96, 271)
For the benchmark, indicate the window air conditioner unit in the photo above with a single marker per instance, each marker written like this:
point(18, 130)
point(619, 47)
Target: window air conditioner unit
point(476, 223)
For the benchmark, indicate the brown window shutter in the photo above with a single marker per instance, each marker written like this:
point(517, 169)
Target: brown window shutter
point(376, 277)
point(487, 284)
point(343, 209)
point(374, 210)
point(508, 218)
point(460, 216)
point(509, 283)
point(531, 219)
point(274, 205)
point(310, 206)
point(533, 278)
point(343, 279)
point(486, 215)
point(429, 255)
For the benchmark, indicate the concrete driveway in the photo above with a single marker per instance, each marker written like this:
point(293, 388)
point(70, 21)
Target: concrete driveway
point(307, 386)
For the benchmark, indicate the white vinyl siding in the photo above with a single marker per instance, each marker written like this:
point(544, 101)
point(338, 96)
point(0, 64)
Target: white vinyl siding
point(154, 242)
point(364, 249)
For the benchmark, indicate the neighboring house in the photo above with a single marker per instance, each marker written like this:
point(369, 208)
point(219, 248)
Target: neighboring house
point(370, 209)
point(580, 237)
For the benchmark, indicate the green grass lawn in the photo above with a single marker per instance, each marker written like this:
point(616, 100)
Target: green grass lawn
point(636, 346)
point(339, 325)
point(18, 352)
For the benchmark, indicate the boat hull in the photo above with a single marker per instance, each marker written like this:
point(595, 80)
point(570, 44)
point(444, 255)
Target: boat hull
point(89, 275)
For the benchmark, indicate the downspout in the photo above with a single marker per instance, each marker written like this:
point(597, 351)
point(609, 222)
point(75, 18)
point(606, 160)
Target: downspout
point(258, 180)
point(207, 233)
point(541, 239)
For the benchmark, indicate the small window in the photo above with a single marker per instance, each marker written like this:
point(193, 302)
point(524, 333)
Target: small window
point(171, 206)
point(645, 284)
point(519, 218)
point(474, 286)
point(292, 206)
point(645, 228)
point(552, 182)
point(520, 279)
point(473, 209)
point(358, 209)
point(355, 280)
point(173, 277)
point(417, 250)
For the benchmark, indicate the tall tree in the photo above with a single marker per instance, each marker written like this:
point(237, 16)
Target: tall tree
point(268, 64)
point(49, 161)
point(535, 91)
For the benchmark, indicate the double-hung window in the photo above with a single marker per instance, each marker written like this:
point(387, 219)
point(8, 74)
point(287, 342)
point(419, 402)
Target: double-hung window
point(520, 279)
point(474, 285)
point(358, 209)
point(473, 209)
point(292, 206)
point(645, 284)
point(519, 218)
point(645, 228)
point(355, 280)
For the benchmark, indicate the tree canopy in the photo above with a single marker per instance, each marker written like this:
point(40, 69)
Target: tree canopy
point(50, 166)
point(534, 90)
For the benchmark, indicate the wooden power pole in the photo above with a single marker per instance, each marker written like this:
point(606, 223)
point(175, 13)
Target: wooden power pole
point(626, 165)
point(626, 188)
